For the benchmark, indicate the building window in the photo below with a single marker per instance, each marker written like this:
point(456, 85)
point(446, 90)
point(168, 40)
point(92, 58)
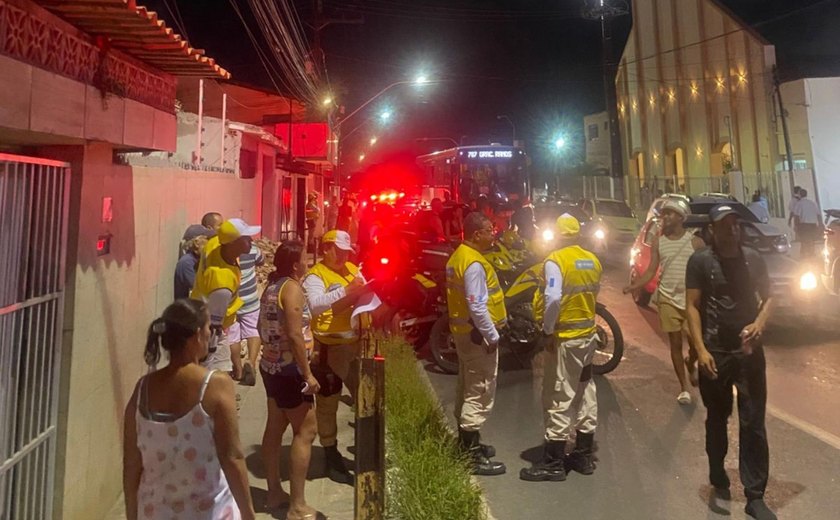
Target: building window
point(247, 164)
point(592, 132)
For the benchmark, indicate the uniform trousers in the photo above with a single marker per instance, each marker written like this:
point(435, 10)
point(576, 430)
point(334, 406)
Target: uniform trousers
point(569, 395)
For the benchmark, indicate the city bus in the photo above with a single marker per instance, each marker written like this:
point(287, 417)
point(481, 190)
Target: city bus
point(498, 172)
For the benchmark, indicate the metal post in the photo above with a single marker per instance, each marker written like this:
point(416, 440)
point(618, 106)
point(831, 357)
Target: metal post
point(224, 129)
point(786, 133)
point(200, 122)
point(370, 430)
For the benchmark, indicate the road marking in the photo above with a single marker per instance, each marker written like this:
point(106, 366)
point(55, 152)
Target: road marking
point(828, 438)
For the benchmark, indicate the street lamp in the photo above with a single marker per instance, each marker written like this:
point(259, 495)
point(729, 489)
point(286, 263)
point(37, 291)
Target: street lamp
point(512, 127)
point(559, 144)
point(418, 81)
point(372, 141)
point(328, 101)
point(361, 157)
point(385, 116)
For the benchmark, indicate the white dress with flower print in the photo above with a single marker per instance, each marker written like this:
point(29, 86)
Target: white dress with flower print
point(182, 477)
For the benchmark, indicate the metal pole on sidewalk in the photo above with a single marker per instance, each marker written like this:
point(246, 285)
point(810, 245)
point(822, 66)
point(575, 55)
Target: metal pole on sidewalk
point(370, 429)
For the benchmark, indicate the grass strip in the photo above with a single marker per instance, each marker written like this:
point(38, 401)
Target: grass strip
point(428, 478)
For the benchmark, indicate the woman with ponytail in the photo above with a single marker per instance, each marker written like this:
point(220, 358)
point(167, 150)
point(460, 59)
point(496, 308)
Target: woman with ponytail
point(182, 457)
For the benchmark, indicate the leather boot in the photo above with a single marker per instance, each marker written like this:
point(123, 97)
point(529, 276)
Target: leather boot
point(582, 459)
point(336, 470)
point(481, 463)
point(551, 467)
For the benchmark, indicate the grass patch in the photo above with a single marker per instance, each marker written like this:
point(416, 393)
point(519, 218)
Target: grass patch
point(427, 476)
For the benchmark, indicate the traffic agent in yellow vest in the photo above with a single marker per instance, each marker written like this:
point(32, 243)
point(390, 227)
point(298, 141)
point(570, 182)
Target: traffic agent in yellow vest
point(460, 321)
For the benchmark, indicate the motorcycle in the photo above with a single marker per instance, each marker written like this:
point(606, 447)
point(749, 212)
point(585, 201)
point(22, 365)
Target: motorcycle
point(523, 333)
point(831, 252)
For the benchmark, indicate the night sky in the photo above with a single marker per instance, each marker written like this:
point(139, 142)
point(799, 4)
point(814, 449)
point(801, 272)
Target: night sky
point(536, 61)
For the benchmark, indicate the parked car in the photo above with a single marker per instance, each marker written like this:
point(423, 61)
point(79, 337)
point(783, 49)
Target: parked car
point(831, 252)
point(786, 275)
point(616, 218)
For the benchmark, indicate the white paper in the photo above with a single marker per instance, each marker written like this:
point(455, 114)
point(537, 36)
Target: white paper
point(366, 303)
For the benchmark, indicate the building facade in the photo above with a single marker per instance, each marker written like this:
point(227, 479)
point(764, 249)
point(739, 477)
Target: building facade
point(695, 99)
point(596, 128)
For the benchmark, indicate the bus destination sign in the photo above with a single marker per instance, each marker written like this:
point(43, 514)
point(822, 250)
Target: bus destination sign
point(488, 154)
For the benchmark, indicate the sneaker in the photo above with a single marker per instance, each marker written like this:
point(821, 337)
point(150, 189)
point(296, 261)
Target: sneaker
point(684, 398)
point(758, 509)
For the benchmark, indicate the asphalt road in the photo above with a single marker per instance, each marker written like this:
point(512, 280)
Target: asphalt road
point(652, 463)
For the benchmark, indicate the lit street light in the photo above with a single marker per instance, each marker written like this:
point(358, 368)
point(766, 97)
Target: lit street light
point(385, 116)
point(422, 79)
point(361, 157)
point(372, 141)
point(560, 143)
point(328, 101)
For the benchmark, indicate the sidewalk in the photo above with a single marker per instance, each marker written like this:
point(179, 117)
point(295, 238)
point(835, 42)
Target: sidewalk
point(332, 499)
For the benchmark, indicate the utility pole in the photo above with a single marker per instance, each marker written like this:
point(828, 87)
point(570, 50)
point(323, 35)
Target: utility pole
point(785, 132)
point(602, 11)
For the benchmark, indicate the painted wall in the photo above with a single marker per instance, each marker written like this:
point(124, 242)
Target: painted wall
point(111, 300)
point(598, 148)
point(813, 106)
point(62, 110)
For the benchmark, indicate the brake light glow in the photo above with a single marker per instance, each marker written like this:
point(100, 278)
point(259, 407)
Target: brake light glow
point(373, 198)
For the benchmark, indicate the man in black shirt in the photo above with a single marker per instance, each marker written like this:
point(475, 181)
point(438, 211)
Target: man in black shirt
point(728, 303)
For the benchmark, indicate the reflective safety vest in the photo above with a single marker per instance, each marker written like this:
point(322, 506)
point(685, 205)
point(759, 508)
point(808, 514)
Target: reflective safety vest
point(330, 328)
point(459, 312)
point(581, 272)
point(214, 273)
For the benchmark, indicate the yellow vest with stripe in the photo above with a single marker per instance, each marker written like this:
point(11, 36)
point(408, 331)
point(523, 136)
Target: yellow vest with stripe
point(328, 327)
point(214, 273)
point(459, 312)
point(581, 272)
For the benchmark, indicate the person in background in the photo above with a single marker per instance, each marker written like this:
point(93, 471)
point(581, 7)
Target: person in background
point(212, 221)
point(476, 306)
point(523, 219)
point(181, 452)
point(806, 215)
point(332, 214)
point(759, 208)
point(193, 242)
point(247, 319)
point(345, 214)
point(217, 282)
point(289, 384)
point(312, 213)
point(792, 205)
point(430, 223)
point(729, 304)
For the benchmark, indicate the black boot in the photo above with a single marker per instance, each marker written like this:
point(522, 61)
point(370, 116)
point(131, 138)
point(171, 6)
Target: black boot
point(336, 470)
point(482, 465)
point(551, 467)
point(582, 459)
point(487, 450)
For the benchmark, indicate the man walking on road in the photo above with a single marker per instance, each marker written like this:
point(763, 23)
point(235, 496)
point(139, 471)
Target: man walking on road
point(333, 287)
point(670, 251)
point(476, 313)
point(566, 307)
point(806, 214)
point(217, 282)
point(728, 302)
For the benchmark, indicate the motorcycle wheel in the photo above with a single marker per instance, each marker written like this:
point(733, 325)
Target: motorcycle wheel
point(641, 296)
point(442, 345)
point(610, 346)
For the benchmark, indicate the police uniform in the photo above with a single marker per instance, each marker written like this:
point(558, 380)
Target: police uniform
point(336, 338)
point(217, 282)
point(566, 307)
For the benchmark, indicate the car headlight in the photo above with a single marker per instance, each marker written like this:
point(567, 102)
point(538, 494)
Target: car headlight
point(808, 281)
point(600, 234)
point(548, 235)
point(782, 244)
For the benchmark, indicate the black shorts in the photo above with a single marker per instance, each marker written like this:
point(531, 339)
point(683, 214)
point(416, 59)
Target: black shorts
point(285, 390)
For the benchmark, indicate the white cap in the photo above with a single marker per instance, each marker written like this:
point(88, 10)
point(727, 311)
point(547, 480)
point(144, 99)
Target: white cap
point(341, 239)
point(235, 228)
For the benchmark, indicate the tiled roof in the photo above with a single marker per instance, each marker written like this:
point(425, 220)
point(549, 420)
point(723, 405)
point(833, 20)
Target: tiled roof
point(139, 32)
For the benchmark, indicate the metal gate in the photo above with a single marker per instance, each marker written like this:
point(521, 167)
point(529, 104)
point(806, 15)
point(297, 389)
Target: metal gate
point(33, 237)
